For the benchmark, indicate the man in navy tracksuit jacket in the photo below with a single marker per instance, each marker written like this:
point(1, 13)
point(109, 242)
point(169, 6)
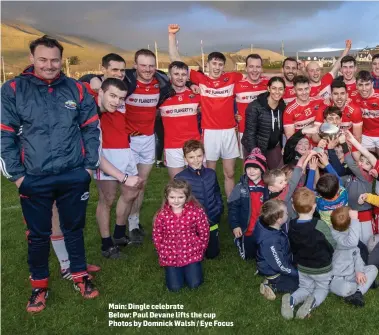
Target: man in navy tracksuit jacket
point(50, 142)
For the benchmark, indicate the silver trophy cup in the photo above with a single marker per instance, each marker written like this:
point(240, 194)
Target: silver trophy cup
point(328, 131)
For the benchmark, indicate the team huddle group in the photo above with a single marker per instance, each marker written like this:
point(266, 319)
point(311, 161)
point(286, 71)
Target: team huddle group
point(304, 208)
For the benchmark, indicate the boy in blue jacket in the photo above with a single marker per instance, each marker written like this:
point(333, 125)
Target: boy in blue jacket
point(205, 188)
point(245, 202)
point(274, 257)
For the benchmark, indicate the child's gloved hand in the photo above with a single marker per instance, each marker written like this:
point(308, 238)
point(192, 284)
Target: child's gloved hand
point(362, 198)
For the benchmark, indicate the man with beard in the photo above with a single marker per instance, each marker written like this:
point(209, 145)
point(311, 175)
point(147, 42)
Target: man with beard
point(302, 111)
point(368, 101)
point(112, 66)
point(179, 116)
point(217, 109)
point(289, 69)
point(50, 143)
point(351, 114)
point(247, 90)
point(320, 86)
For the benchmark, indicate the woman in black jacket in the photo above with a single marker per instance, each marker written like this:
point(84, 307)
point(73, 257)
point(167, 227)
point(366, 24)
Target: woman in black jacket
point(264, 123)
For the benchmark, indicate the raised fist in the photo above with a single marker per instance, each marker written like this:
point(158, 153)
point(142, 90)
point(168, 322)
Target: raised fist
point(348, 44)
point(173, 28)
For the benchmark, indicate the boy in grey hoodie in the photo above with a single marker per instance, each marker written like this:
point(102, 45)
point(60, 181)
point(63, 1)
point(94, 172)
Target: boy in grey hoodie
point(351, 278)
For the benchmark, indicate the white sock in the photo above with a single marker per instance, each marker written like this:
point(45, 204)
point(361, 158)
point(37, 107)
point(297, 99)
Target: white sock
point(60, 250)
point(133, 221)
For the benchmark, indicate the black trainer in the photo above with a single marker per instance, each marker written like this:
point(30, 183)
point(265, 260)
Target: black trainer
point(355, 299)
point(136, 236)
point(122, 242)
point(113, 253)
point(160, 164)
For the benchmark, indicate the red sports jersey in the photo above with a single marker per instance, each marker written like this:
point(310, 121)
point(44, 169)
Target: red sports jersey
point(370, 114)
point(289, 94)
point(179, 116)
point(112, 127)
point(302, 116)
point(141, 108)
point(351, 88)
point(323, 90)
point(247, 92)
point(351, 114)
point(217, 99)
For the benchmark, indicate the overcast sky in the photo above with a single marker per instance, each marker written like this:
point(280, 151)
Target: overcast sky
point(226, 26)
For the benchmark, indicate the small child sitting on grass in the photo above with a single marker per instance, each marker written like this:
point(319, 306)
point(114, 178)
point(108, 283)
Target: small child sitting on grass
point(274, 257)
point(351, 278)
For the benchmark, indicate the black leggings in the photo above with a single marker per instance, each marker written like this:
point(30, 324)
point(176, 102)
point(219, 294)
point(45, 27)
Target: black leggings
point(159, 133)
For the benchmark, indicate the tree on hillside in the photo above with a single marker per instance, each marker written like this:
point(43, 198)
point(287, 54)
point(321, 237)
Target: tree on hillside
point(74, 60)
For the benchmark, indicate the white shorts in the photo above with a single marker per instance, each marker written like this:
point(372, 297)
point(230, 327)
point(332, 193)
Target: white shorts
point(174, 158)
point(143, 148)
point(122, 159)
point(220, 143)
point(370, 142)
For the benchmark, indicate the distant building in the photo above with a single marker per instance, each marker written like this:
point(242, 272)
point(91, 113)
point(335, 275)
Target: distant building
point(365, 55)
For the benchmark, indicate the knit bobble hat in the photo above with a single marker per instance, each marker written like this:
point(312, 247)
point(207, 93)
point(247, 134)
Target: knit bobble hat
point(257, 160)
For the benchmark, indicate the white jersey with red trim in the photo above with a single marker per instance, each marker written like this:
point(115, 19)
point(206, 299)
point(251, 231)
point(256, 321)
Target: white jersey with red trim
point(301, 116)
point(141, 107)
point(217, 99)
point(289, 94)
point(179, 117)
point(323, 89)
point(351, 115)
point(370, 114)
point(247, 92)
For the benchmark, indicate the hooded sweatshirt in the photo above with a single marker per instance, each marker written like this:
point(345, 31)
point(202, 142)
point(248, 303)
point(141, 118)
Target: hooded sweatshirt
point(274, 255)
point(347, 259)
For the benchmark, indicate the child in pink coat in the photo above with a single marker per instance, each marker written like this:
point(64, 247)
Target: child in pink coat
point(180, 235)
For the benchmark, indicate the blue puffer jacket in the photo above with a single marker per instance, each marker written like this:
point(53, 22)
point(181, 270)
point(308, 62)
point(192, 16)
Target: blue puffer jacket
point(239, 205)
point(273, 251)
point(47, 128)
point(206, 190)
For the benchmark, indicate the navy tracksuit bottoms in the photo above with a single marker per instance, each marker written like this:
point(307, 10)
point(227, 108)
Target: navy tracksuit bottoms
point(70, 190)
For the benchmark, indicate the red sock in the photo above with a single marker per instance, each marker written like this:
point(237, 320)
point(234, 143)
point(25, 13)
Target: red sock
point(39, 283)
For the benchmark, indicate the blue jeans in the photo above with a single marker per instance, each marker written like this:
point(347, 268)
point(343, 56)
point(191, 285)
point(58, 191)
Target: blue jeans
point(191, 274)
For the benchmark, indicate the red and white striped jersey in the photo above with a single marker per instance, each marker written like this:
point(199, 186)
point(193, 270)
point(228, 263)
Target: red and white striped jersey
point(289, 94)
point(302, 116)
point(370, 114)
point(323, 89)
point(179, 116)
point(351, 115)
point(247, 92)
point(217, 99)
point(141, 108)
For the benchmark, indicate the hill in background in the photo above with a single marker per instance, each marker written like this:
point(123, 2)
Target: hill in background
point(15, 39)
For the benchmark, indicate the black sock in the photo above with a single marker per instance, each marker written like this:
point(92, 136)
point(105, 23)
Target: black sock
point(119, 231)
point(106, 243)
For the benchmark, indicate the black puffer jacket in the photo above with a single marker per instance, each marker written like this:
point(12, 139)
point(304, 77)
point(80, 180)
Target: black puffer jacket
point(259, 123)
